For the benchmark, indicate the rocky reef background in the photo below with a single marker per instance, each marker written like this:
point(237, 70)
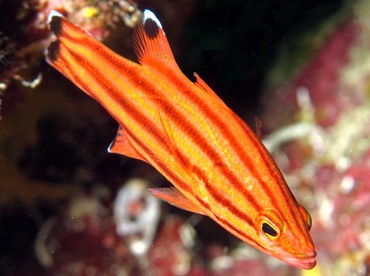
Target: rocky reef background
point(67, 207)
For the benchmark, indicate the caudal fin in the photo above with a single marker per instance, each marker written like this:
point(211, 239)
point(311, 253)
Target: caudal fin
point(94, 68)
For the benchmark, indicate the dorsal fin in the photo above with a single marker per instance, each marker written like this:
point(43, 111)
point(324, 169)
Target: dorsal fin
point(203, 85)
point(122, 145)
point(150, 41)
point(258, 127)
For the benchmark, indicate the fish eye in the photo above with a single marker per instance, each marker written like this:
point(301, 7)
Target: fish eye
point(306, 217)
point(269, 230)
point(269, 224)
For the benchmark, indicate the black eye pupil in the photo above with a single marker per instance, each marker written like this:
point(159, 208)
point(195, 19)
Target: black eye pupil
point(266, 228)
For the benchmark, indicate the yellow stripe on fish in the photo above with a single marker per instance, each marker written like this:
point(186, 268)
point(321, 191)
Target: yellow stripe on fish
point(217, 164)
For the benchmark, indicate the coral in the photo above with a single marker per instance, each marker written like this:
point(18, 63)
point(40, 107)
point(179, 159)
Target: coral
point(97, 17)
point(136, 213)
point(18, 45)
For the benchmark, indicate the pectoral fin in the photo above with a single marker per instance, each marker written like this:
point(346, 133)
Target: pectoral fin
point(176, 198)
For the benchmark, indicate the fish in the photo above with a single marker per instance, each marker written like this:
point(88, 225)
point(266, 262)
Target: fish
point(218, 166)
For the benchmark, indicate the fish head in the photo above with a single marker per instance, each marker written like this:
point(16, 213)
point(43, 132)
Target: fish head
point(286, 238)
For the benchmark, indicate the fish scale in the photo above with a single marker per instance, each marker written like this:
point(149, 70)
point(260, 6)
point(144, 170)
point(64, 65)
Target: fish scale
point(217, 164)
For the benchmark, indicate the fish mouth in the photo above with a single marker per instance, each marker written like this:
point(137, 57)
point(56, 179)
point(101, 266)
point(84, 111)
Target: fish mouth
point(306, 262)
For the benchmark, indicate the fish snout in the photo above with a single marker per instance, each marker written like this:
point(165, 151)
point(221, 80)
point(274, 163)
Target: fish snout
point(305, 260)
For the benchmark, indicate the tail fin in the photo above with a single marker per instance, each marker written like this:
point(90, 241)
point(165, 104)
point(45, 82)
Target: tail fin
point(97, 70)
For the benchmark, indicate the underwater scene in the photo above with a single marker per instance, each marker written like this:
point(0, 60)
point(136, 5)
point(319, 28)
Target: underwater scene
point(187, 137)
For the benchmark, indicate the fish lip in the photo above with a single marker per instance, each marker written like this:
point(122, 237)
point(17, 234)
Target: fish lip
point(307, 262)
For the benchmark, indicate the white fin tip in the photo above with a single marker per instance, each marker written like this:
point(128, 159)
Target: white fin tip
point(53, 13)
point(150, 15)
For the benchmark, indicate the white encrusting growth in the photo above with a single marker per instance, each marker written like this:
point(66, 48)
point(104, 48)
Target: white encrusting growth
point(136, 212)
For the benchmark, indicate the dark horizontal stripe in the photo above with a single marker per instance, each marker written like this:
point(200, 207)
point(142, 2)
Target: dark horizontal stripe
point(163, 168)
point(137, 117)
point(212, 154)
point(264, 172)
point(222, 126)
point(243, 236)
point(102, 81)
point(273, 195)
point(199, 139)
point(238, 147)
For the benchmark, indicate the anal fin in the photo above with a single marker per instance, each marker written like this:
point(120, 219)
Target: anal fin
point(174, 197)
point(122, 145)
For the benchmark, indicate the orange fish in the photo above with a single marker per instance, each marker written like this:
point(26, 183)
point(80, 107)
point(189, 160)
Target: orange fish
point(218, 165)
